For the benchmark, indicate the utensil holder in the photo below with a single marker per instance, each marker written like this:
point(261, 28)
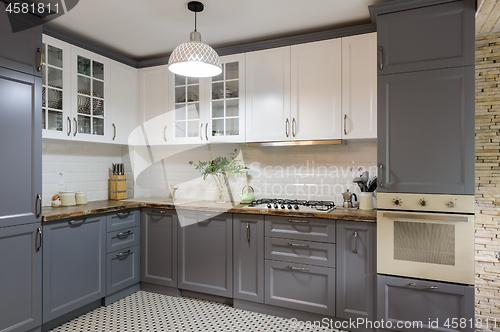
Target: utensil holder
point(117, 187)
point(366, 201)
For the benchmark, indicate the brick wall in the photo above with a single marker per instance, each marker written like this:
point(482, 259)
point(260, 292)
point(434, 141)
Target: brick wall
point(488, 177)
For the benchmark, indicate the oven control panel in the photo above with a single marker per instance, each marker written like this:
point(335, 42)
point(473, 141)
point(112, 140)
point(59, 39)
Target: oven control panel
point(426, 202)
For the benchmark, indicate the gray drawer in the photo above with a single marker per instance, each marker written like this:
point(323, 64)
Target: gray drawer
point(300, 287)
point(122, 239)
point(310, 229)
point(122, 269)
point(305, 252)
point(122, 219)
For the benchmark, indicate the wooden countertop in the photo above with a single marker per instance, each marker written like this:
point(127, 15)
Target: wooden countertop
point(97, 207)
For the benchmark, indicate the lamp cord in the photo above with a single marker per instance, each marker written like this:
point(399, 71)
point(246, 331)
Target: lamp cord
point(194, 21)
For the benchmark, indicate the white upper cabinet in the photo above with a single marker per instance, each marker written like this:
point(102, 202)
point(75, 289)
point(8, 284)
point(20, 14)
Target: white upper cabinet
point(226, 93)
point(153, 89)
point(124, 102)
point(316, 90)
point(268, 95)
point(56, 87)
point(90, 82)
point(359, 86)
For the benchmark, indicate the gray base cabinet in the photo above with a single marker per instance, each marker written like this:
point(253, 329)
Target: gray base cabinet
point(122, 269)
point(206, 253)
point(404, 299)
point(248, 260)
point(159, 247)
point(439, 160)
point(20, 278)
point(356, 269)
point(74, 258)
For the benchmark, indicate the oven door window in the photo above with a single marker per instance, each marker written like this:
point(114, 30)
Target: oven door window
point(424, 242)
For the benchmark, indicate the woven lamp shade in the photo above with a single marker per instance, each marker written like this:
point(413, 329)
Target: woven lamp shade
point(195, 59)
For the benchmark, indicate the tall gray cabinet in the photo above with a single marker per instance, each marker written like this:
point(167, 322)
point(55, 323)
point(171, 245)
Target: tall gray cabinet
point(20, 162)
point(426, 96)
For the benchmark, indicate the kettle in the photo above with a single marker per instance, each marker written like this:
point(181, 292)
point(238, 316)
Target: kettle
point(248, 197)
point(347, 196)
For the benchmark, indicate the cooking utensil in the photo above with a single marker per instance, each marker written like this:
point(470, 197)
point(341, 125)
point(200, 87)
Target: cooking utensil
point(372, 184)
point(360, 182)
point(248, 197)
point(347, 196)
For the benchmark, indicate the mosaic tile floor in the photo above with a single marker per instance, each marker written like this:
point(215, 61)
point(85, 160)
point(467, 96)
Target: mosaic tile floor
point(145, 311)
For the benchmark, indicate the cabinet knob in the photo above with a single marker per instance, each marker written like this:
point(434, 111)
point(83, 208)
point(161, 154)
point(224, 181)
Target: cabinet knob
point(422, 202)
point(451, 204)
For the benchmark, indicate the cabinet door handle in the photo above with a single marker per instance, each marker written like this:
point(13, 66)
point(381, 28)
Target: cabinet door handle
point(287, 123)
point(74, 222)
point(114, 131)
point(122, 214)
point(39, 209)
point(41, 239)
point(123, 254)
point(76, 127)
point(248, 232)
point(165, 133)
point(294, 127)
point(297, 268)
point(298, 245)
point(345, 124)
point(423, 287)
point(355, 242)
point(298, 221)
point(381, 177)
point(124, 234)
point(201, 132)
point(39, 51)
point(206, 131)
point(69, 126)
point(381, 51)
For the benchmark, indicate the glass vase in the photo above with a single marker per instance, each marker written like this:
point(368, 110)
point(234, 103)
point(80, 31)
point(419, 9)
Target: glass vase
point(220, 181)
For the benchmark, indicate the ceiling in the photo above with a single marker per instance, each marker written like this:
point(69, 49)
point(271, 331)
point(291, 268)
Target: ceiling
point(145, 29)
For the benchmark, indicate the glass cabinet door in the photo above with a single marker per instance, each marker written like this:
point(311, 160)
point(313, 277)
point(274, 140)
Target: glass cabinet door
point(187, 108)
point(227, 101)
point(55, 80)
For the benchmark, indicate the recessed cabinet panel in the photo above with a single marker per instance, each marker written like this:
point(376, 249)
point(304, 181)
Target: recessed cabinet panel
point(316, 90)
point(432, 37)
point(122, 269)
point(153, 84)
point(268, 95)
point(428, 123)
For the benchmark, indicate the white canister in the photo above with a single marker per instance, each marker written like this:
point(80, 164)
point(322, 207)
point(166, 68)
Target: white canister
point(81, 198)
point(68, 198)
point(366, 201)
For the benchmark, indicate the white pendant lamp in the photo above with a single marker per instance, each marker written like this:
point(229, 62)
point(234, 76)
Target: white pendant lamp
point(194, 58)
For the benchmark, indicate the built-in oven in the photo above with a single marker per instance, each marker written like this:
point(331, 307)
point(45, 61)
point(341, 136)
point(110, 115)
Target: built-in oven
point(426, 236)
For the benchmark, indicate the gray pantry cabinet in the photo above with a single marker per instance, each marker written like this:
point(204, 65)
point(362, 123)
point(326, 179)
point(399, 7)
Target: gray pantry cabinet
point(20, 278)
point(248, 257)
point(432, 37)
point(74, 257)
point(20, 51)
point(159, 247)
point(439, 306)
point(356, 269)
point(426, 132)
point(122, 254)
point(206, 253)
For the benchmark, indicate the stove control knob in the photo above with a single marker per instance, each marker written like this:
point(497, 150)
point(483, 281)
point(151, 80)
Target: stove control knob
point(296, 207)
point(289, 207)
point(451, 204)
point(422, 202)
point(269, 205)
point(397, 202)
point(275, 205)
point(282, 206)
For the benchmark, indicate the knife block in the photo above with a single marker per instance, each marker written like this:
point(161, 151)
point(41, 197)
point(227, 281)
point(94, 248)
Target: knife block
point(117, 187)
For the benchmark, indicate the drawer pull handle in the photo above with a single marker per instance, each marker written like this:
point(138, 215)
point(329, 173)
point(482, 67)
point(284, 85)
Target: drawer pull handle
point(298, 245)
point(74, 222)
point(69, 126)
point(298, 221)
point(123, 254)
point(381, 64)
point(39, 51)
point(122, 214)
point(355, 242)
point(41, 239)
point(39, 210)
point(124, 234)
point(297, 268)
point(423, 287)
point(248, 232)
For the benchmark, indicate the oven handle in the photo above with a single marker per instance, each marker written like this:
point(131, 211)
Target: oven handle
point(440, 217)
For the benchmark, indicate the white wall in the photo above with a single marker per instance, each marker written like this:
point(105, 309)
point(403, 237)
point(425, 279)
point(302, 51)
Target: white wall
point(86, 167)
